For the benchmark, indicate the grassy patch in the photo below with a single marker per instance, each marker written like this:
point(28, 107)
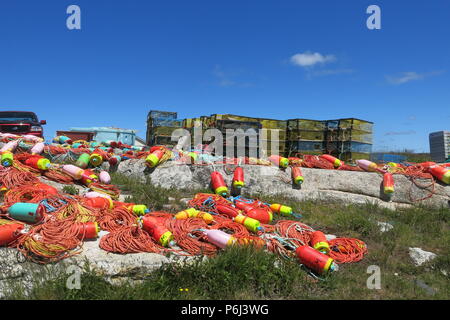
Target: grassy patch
point(70, 189)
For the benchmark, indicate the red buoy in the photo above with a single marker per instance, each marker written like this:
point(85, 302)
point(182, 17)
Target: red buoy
point(279, 161)
point(9, 233)
point(244, 206)
point(315, 260)
point(88, 177)
point(218, 183)
point(38, 162)
point(263, 215)
point(99, 203)
point(388, 183)
point(333, 160)
point(87, 230)
point(238, 178)
point(157, 230)
point(228, 211)
point(320, 242)
point(426, 164)
point(297, 176)
point(47, 188)
point(440, 173)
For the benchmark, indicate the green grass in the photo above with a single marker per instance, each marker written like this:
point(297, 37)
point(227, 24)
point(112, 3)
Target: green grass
point(70, 189)
point(152, 196)
point(244, 273)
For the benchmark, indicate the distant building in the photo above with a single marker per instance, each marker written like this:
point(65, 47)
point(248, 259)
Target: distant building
point(440, 146)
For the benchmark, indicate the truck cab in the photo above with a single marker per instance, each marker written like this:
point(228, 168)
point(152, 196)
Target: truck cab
point(21, 123)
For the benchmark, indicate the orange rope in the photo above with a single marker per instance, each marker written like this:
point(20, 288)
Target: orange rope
point(116, 219)
point(129, 239)
point(11, 177)
point(345, 250)
point(189, 239)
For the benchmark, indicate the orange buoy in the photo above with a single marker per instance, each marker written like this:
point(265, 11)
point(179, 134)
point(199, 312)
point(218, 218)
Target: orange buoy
point(9, 233)
point(99, 202)
point(47, 188)
point(297, 176)
point(238, 178)
point(38, 162)
point(157, 230)
point(88, 177)
point(388, 183)
point(279, 161)
point(427, 164)
point(263, 215)
point(88, 230)
point(333, 160)
point(440, 173)
point(154, 157)
point(319, 242)
point(227, 210)
point(218, 184)
point(242, 205)
point(315, 260)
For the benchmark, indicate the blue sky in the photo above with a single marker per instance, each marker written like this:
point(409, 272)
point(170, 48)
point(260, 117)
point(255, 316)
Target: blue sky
point(273, 59)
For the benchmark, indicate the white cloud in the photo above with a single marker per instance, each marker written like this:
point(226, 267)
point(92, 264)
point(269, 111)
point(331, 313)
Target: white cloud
point(405, 77)
point(309, 59)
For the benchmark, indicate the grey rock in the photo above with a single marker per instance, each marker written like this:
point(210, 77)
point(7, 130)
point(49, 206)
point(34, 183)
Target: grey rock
point(420, 256)
point(329, 185)
point(384, 226)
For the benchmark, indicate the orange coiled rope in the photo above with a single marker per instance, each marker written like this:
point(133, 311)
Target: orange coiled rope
point(48, 243)
point(76, 211)
point(55, 150)
point(11, 177)
point(349, 168)
point(26, 193)
point(117, 218)
point(24, 168)
point(346, 250)
point(22, 156)
point(311, 161)
point(129, 239)
point(58, 175)
point(274, 245)
point(79, 151)
point(208, 201)
point(299, 233)
point(188, 236)
point(293, 161)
